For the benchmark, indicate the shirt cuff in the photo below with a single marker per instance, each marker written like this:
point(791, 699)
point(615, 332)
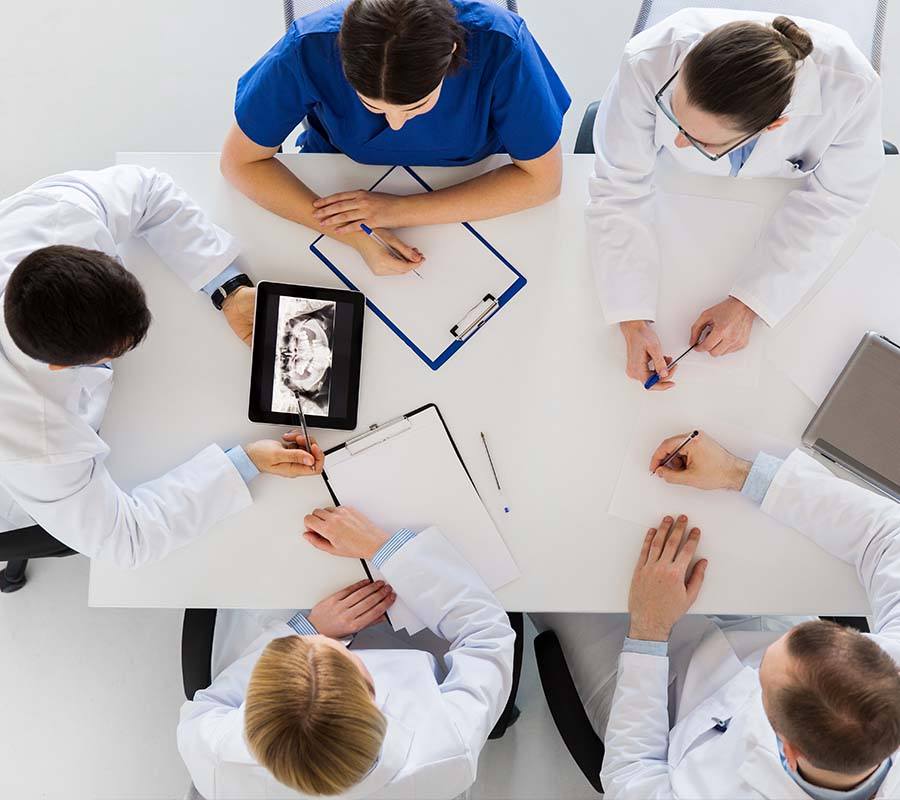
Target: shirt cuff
point(242, 463)
point(301, 625)
point(645, 647)
point(231, 271)
point(760, 477)
point(391, 546)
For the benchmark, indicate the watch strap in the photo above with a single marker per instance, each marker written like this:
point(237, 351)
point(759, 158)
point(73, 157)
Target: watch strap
point(229, 287)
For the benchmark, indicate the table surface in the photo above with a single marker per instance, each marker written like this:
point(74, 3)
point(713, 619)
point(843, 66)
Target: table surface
point(559, 416)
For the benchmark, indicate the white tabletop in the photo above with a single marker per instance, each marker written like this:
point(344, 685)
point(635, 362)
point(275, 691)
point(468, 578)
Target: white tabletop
point(544, 380)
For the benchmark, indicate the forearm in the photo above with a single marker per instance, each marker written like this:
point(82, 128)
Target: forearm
point(505, 190)
point(270, 184)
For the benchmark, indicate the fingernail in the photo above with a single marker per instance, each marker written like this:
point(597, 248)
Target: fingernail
point(682, 518)
point(667, 519)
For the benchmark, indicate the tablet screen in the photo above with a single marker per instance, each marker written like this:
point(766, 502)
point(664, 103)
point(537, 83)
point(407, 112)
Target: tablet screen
point(306, 348)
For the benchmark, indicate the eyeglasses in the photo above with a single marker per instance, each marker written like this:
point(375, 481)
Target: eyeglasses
point(701, 147)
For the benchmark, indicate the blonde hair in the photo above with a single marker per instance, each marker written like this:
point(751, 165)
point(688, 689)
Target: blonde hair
point(310, 718)
point(745, 70)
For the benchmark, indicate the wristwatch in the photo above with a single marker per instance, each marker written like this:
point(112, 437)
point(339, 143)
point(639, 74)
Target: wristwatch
point(229, 287)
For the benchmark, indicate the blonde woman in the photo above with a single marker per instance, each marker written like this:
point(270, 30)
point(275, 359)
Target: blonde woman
point(299, 714)
point(740, 94)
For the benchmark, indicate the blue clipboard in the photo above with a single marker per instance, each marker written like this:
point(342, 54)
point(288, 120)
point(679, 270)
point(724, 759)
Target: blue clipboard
point(471, 323)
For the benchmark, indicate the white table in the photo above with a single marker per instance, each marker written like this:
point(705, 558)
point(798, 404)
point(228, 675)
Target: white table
point(558, 419)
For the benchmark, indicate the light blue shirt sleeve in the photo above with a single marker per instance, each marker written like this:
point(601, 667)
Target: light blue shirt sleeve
point(231, 271)
point(301, 625)
point(391, 546)
point(645, 647)
point(242, 463)
point(760, 478)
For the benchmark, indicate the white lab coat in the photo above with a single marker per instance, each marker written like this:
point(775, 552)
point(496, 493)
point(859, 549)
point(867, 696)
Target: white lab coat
point(696, 762)
point(833, 134)
point(438, 718)
point(52, 468)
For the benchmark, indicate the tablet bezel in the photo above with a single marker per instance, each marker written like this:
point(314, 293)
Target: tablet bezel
point(257, 412)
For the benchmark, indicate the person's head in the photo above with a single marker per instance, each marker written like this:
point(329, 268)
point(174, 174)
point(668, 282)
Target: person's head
point(310, 716)
point(737, 81)
point(833, 697)
point(68, 306)
point(396, 54)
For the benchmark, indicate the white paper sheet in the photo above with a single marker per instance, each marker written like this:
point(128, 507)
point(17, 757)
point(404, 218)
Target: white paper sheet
point(457, 274)
point(864, 295)
point(698, 271)
point(415, 480)
point(645, 499)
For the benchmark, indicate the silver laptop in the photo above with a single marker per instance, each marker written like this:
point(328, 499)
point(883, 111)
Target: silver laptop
point(858, 424)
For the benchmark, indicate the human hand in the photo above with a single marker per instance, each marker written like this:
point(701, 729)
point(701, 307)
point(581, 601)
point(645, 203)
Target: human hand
point(702, 463)
point(350, 610)
point(380, 261)
point(345, 210)
point(238, 310)
point(295, 440)
point(288, 462)
point(643, 345)
point(343, 532)
point(730, 323)
point(664, 585)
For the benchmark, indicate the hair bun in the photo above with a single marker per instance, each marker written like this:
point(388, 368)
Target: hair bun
point(794, 38)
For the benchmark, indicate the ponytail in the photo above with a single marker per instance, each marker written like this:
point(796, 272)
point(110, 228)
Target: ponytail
point(745, 71)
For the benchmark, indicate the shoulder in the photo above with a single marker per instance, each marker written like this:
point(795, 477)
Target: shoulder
point(500, 29)
point(841, 63)
point(313, 31)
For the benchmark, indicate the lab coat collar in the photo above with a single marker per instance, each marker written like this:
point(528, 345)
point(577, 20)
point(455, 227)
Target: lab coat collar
point(763, 771)
point(806, 97)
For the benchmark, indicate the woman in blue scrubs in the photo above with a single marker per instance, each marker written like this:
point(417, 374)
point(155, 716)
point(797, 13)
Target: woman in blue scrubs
point(413, 82)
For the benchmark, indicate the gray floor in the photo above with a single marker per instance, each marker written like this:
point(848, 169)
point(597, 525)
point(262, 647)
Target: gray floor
point(90, 697)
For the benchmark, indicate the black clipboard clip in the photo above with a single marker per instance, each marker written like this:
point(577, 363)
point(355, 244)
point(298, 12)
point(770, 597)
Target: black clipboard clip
point(475, 317)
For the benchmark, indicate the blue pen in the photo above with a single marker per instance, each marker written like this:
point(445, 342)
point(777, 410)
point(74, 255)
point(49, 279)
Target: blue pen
point(392, 250)
point(496, 479)
point(654, 378)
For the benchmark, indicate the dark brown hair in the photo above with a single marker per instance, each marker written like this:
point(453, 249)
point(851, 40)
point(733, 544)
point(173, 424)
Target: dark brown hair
point(842, 709)
point(71, 306)
point(745, 71)
point(399, 51)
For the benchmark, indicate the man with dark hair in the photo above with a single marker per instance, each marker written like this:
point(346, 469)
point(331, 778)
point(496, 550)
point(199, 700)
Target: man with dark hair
point(68, 308)
point(705, 708)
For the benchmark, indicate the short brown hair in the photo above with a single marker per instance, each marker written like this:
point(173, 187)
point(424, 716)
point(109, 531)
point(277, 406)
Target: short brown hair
point(745, 71)
point(310, 718)
point(399, 51)
point(842, 708)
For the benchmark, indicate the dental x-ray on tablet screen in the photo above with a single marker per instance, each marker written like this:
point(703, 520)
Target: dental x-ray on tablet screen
point(307, 344)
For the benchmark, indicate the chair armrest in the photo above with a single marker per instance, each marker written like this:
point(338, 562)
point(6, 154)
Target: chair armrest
point(196, 649)
point(584, 142)
point(565, 706)
point(890, 149)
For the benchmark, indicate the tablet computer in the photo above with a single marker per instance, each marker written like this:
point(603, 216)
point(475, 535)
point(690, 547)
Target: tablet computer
point(307, 347)
point(858, 424)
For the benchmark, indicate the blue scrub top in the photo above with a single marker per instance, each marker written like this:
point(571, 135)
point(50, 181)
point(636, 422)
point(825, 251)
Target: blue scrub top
point(506, 97)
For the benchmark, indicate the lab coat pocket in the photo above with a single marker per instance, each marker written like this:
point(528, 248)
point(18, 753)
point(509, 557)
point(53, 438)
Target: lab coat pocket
point(798, 168)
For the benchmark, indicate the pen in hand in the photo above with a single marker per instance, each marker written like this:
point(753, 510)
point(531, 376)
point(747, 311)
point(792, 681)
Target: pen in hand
point(654, 378)
point(674, 453)
point(392, 250)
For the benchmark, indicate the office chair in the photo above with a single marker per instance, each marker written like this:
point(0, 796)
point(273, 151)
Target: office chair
point(199, 626)
point(18, 547)
point(294, 9)
point(864, 20)
point(569, 716)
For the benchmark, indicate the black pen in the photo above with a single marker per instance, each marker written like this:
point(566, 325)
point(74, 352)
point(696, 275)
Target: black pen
point(675, 451)
point(654, 378)
point(303, 423)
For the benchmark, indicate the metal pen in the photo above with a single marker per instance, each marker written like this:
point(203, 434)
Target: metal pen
point(392, 250)
point(496, 479)
point(303, 423)
point(654, 378)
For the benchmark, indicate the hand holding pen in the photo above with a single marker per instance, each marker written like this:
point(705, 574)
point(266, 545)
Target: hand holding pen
point(301, 439)
point(654, 378)
point(391, 257)
point(695, 459)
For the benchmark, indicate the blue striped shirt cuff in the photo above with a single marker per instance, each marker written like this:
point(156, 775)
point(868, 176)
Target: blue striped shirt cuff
point(301, 625)
point(760, 477)
point(231, 271)
point(242, 463)
point(645, 647)
point(391, 546)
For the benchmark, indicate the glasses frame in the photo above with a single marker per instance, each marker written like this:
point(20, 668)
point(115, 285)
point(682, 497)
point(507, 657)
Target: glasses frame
point(697, 145)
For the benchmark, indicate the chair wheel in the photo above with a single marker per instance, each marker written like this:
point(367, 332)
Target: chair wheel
point(7, 586)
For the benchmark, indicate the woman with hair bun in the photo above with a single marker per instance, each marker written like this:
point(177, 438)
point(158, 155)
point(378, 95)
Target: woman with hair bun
point(741, 94)
point(414, 82)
